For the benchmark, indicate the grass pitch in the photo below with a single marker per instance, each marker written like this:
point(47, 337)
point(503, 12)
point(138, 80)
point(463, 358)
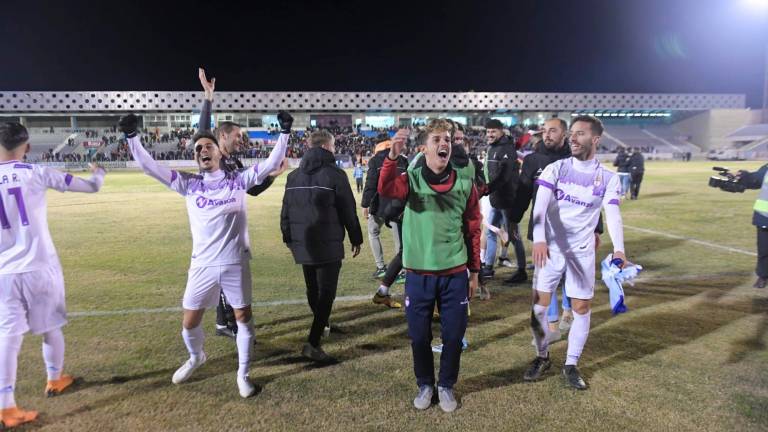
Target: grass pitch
point(690, 354)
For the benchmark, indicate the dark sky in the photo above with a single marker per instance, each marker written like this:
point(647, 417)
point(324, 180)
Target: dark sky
point(707, 46)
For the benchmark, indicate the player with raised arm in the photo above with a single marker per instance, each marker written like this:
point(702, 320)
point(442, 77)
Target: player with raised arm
point(31, 280)
point(571, 193)
point(230, 142)
point(220, 246)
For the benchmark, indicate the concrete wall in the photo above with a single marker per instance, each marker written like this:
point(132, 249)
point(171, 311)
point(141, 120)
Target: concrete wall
point(709, 129)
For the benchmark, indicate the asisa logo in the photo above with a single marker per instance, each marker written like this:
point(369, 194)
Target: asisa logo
point(202, 202)
point(562, 196)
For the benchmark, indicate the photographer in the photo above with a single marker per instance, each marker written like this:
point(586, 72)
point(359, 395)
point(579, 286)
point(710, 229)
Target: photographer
point(757, 180)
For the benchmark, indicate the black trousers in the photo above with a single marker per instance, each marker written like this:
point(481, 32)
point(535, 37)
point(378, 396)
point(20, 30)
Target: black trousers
point(321, 281)
point(225, 315)
point(762, 253)
point(359, 182)
point(634, 184)
point(394, 267)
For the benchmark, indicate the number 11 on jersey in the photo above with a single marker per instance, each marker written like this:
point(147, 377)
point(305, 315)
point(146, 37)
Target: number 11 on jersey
point(4, 222)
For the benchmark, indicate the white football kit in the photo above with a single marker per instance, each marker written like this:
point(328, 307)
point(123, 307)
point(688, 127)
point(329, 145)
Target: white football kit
point(217, 218)
point(568, 202)
point(31, 280)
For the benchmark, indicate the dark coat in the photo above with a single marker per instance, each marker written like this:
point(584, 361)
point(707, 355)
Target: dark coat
point(636, 163)
point(318, 206)
point(503, 173)
point(385, 208)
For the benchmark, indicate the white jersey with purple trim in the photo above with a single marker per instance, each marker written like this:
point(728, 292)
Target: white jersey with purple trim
point(215, 203)
point(217, 216)
point(25, 242)
point(580, 190)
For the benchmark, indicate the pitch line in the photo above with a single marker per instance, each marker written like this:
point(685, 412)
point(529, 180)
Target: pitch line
point(178, 309)
point(692, 240)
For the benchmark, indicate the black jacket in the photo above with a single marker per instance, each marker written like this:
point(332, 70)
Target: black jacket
point(622, 162)
point(636, 163)
point(383, 207)
point(503, 173)
point(318, 206)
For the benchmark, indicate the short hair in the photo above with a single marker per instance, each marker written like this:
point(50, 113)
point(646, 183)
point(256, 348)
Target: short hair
point(421, 138)
point(13, 135)
point(439, 125)
point(319, 138)
point(594, 123)
point(204, 134)
point(460, 126)
point(226, 127)
point(563, 123)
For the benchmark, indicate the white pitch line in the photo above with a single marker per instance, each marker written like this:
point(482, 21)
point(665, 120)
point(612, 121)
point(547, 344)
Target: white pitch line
point(692, 240)
point(178, 309)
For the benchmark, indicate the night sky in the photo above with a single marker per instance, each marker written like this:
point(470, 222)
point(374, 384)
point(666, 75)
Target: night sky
point(668, 46)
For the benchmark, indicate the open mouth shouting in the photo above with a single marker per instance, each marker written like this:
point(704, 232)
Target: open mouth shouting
point(443, 153)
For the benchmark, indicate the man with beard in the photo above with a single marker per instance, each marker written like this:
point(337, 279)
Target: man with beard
point(230, 141)
point(565, 215)
point(441, 253)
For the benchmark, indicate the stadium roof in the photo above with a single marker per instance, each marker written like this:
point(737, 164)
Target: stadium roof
point(71, 102)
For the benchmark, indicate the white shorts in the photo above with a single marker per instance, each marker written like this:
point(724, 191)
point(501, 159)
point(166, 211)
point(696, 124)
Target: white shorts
point(579, 271)
point(204, 285)
point(32, 301)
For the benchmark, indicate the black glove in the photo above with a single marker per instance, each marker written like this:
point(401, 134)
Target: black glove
point(286, 121)
point(129, 125)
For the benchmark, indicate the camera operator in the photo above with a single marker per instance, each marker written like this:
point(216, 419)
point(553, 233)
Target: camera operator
point(758, 180)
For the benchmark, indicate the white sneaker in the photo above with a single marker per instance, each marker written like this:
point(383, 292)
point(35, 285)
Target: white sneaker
point(246, 387)
point(447, 400)
point(326, 331)
point(185, 371)
point(565, 322)
point(423, 400)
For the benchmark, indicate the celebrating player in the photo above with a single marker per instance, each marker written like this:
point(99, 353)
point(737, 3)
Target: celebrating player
point(220, 246)
point(31, 280)
point(441, 236)
point(571, 193)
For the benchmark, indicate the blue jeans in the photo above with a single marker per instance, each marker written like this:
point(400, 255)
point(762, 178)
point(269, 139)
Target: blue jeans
point(553, 315)
point(498, 218)
point(624, 177)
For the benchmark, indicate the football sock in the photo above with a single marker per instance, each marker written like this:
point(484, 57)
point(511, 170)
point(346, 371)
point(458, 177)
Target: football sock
point(53, 353)
point(577, 337)
point(193, 339)
point(540, 330)
point(244, 343)
point(383, 290)
point(9, 357)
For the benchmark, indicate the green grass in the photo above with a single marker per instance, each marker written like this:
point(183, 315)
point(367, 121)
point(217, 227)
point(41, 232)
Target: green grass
point(690, 354)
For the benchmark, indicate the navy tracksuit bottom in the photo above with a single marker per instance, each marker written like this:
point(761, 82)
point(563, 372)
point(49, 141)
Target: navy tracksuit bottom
point(449, 292)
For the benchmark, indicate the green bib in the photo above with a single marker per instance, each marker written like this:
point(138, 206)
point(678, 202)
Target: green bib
point(433, 237)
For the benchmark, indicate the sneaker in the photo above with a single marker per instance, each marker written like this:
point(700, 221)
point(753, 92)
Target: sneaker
point(565, 323)
point(400, 278)
point(379, 273)
point(185, 371)
point(56, 387)
point(447, 401)
point(486, 272)
point(538, 366)
point(423, 400)
point(518, 277)
point(12, 417)
point(573, 378)
point(386, 300)
point(226, 332)
point(530, 266)
point(317, 355)
point(245, 386)
point(759, 283)
point(505, 262)
point(326, 331)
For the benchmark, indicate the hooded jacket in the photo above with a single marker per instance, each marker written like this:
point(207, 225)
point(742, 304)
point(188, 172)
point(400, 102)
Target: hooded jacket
point(318, 206)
